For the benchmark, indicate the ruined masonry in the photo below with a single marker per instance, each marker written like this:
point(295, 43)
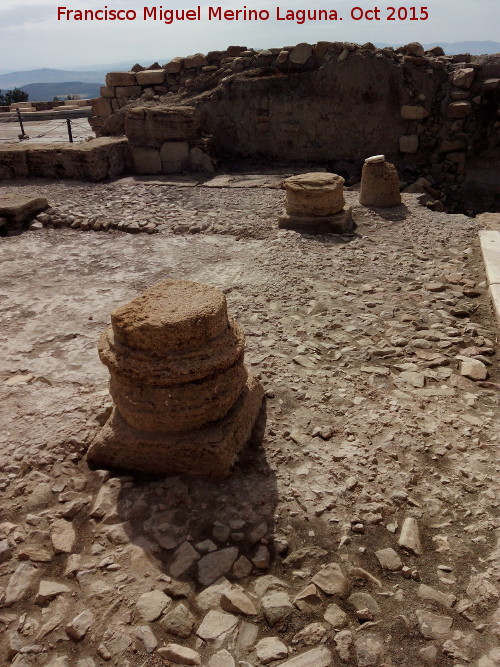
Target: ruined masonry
point(184, 401)
point(315, 203)
point(379, 183)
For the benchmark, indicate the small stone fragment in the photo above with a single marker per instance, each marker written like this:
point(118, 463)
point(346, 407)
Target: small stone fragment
point(335, 616)
point(63, 537)
point(473, 369)
point(212, 566)
point(221, 659)
point(433, 626)
point(310, 635)
point(20, 583)
point(276, 606)
point(269, 649)
point(179, 621)
point(369, 650)
point(316, 657)
point(5, 551)
point(262, 558)
point(216, 625)
point(429, 593)
point(410, 536)
point(49, 590)
point(242, 567)
point(307, 596)
point(150, 606)
point(343, 643)
point(80, 625)
point(184, 557)
point(389, 559)
point(364, 601)
point(331, 580)
point(237, 602)
point(180, 655)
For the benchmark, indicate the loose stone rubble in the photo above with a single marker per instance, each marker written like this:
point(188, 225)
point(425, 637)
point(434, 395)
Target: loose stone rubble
point(379, 183)
point(315, 203)
point(184, 401)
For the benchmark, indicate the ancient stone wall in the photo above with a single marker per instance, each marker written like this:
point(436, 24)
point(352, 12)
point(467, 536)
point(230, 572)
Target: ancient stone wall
point(93, 160)
point(330, 103)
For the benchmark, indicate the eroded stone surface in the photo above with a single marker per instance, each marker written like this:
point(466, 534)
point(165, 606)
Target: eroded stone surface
point(184, 400)
point(379, 185)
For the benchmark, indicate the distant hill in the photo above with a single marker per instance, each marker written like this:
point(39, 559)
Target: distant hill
point(455, 48)
point(45, 92)
point(19, 79)
point(475, 48)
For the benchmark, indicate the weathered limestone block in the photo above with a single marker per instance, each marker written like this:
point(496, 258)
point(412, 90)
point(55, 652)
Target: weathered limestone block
point(121, 79)
point(379, 183)
point(301, 53)
point(174, 156)
point(463, 78)
point(408, 143)
point(196, 60)
point(200, 161)
point(413, 112)
point(94, 160)
point(153, 126)
point(414, 49)
point(128, 91)
point(146, 160)
point(184, 401)
point(174, 66)
point(108, 91)
point(314, 194)
point(458, 109)
point(151, 77)
point(13, 161)
point(101, 106)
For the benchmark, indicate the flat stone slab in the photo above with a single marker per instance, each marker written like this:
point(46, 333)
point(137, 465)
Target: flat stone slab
point(20, 208)
point(340, 223)
point(244, 181)
point(210, 451)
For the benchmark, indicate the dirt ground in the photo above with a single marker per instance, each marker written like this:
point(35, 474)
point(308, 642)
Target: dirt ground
point(367, 423)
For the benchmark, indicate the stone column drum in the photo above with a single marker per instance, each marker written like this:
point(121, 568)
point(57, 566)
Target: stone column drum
point(184, 401)
point(315, 203)
point(379, 183)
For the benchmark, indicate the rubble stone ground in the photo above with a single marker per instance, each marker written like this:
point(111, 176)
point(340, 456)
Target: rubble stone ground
point(359, 528)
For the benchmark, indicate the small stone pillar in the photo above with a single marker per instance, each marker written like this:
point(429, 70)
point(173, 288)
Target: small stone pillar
point(315, 203)
point(184, 401)
point(379, 183)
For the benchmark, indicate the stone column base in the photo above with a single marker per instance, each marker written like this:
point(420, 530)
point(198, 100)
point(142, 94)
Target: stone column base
point(339, 223)
point(211, 450)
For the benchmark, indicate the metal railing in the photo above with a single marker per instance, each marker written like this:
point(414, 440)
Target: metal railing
point(70, 125)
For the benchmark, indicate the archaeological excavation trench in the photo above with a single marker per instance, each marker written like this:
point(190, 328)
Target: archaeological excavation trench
point(250, 416)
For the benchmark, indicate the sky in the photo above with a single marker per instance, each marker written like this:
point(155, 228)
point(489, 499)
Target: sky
point(31, 37)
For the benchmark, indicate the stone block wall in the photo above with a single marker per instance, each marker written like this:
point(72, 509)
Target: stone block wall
point(94, 160)
point(328, 102)
point(167, 140)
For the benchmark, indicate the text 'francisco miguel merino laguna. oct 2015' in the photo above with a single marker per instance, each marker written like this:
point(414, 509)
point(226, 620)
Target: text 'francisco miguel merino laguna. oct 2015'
point(217, 13)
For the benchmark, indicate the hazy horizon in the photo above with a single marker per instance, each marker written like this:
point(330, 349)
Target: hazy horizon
point(31, 36)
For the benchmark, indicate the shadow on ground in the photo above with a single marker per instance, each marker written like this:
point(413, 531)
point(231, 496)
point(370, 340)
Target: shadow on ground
point(176, 521)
